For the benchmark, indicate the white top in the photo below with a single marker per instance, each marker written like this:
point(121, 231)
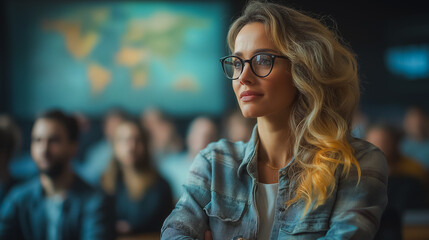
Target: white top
point(266, 196)
point(54, 206)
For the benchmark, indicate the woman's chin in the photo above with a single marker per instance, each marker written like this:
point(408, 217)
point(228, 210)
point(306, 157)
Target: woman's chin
point(248, 114)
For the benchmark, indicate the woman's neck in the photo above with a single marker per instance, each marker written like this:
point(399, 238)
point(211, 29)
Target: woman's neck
point(275, 141)
point(131, 171)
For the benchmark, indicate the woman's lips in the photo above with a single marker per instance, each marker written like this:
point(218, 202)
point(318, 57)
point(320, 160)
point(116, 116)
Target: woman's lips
point(248, 96)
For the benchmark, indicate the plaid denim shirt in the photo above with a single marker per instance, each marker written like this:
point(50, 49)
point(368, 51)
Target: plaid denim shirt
point(220, 196)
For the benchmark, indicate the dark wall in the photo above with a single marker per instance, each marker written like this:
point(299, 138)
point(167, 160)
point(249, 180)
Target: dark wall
point(4, 83)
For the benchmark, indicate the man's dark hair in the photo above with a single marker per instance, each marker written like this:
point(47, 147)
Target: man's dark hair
point(70, 123)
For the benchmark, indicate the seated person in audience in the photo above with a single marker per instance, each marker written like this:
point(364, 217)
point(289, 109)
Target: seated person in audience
point(237, 127)
point(388, 139)
point(8, 144)
point(416, 142)
point(407, 186)
point(88, 134)
point(175, 168)
point(143, 198)
point(57, 204)
point(100, 154)
point(165, 139)
point(21, 166)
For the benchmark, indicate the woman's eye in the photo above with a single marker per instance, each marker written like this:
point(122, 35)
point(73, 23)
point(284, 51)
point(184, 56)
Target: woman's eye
point(237, 64)
point(264, 62)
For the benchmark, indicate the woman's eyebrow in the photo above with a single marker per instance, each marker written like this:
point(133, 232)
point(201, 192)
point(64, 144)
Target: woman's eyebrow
point(237, 54)
point(259, 50)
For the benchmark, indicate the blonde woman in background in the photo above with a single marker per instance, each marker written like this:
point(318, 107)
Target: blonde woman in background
point(301, 175)
point(143, 199)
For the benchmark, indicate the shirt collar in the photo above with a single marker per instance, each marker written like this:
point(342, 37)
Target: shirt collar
point(75, 188)
point(250, 149)
point(37, 188)
point(250, 153)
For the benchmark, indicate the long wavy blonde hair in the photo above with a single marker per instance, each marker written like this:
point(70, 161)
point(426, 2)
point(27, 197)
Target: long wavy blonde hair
point(324, 71)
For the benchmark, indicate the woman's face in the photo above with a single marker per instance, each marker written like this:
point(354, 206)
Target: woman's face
point(128, 145)
point(268, 96)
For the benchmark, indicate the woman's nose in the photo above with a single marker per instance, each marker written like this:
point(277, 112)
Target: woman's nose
point(246, 77)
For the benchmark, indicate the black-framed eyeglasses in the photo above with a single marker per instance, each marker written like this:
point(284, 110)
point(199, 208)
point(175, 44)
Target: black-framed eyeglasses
point(261, 65)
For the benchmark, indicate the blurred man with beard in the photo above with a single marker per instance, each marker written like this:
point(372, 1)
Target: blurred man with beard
point(57, 204)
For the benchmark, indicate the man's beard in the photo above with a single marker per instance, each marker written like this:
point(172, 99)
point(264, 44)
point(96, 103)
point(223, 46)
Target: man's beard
point(55, 170)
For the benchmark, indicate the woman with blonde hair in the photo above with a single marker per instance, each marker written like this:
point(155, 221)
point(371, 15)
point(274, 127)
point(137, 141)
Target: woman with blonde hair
point(143, 199)
point(301, 175)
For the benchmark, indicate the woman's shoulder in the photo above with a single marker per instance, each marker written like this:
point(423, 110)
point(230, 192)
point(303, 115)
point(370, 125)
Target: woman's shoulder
point(369, 157)
point(361, 147)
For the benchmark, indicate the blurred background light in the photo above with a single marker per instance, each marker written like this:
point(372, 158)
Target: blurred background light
point(410, 62)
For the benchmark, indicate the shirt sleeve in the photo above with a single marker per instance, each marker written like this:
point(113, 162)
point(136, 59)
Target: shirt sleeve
point(189, 220)
point(359, 206)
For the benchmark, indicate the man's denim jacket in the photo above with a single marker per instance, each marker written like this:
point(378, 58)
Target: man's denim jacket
point(220, 196)
point(87, 213)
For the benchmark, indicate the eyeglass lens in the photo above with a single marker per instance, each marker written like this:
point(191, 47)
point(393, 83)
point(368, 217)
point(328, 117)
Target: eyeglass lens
point(261, 65)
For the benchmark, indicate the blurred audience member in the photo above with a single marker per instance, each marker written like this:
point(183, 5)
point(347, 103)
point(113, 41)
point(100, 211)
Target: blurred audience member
point(237, 127)
point(407, 181)
point(100, 154)
point(202, 131)
point(388, 139)
point(86, 133)
point(21, 167)
point(9, 141)
point(407, 178)
point(163, 134)
point(174, 168)
point(143, 198)
point(416, 143)
point(360, 123)
point(57, 204)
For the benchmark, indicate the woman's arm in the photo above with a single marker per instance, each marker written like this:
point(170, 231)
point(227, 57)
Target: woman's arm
point(358, 208)
point(189, 220)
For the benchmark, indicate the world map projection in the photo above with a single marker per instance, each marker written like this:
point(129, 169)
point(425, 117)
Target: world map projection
point(88, 57)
